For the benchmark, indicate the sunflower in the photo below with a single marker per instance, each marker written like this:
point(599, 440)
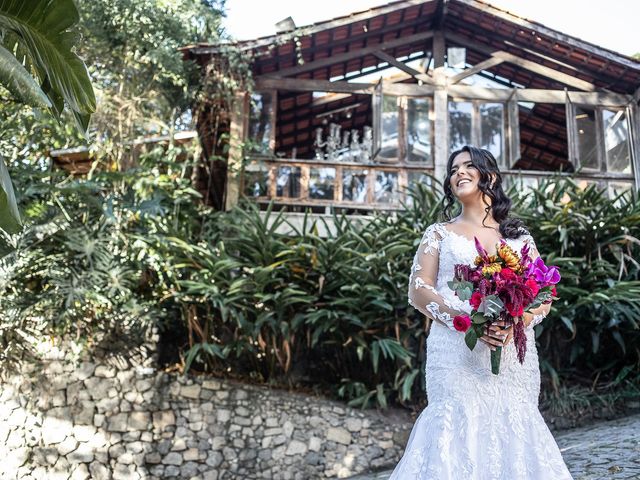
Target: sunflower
point(510, 257)
point(491, 268)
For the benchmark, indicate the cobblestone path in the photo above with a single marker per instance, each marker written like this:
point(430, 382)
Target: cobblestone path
point(604, 450)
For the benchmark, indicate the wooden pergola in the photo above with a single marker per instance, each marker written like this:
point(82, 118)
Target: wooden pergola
point(425, 76)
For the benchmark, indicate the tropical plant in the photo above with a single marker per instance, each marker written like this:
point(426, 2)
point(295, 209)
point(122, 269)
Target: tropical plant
point(267, 300)
point(39, 67)
point(79, 267)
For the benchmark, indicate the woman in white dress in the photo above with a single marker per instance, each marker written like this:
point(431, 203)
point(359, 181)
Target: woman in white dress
point(477, 425)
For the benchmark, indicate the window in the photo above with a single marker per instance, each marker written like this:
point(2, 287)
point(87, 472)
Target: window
point(600, 138)
point(418, 136)
point(354, 184)
point(477, 123)
point(586, 130)
point(389, 128)
point(616, 141)
point(405, 129)
point(260, 128)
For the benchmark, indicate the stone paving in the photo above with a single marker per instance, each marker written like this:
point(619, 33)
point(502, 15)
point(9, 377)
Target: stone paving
point(605, 450)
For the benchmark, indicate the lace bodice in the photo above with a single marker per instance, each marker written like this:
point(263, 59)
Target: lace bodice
point(433, 265)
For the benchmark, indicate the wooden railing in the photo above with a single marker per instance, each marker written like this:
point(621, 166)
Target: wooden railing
point(374, 186)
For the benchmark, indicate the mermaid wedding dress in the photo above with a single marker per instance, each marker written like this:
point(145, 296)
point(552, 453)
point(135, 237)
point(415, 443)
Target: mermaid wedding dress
point(477, 426)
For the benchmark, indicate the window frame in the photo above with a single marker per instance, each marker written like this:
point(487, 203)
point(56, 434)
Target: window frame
point(510, 128)
point(574, 145)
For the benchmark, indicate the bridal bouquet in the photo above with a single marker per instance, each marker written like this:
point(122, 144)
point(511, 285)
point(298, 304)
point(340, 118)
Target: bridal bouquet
point(502, 287)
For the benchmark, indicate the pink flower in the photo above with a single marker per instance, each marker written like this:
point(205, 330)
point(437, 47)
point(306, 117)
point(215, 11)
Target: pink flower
point(544, 275)
point(461, 322)
point(475, 300)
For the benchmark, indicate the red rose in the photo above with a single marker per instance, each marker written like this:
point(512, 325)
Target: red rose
point(461, 322)
point(475, 300)
point(553, 291)
point(507, 274)
point(533, 286)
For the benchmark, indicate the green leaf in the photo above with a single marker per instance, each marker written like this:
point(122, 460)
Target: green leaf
point(407, 384)
point(9, 214)
point(42, 27)
point(471, 338)
point(191, 355)
point(491, 306)
point(382, 399)
point(463, 289)
point(15, 78)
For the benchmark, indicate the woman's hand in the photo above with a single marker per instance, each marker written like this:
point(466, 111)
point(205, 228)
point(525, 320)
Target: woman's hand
point(497, 334)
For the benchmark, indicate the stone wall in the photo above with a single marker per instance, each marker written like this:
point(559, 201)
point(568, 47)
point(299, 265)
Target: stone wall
point(107, 420)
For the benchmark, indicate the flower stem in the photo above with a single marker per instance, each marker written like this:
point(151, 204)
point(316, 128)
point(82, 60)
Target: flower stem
point(496, 355)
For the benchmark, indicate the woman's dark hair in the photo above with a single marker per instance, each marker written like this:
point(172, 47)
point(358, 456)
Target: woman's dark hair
point(486, 164)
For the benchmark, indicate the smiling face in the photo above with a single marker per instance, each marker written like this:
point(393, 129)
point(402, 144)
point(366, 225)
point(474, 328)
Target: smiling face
point(464, 176)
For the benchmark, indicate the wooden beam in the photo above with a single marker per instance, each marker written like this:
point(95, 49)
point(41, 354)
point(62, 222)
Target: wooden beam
point(438, 49)
point(547, 72)
point(554, 34)
point(459, 91)
point(391, 60)
point(441, 128)
point(339, 96)
point(526, 64)
point(559, 96)
point(441, 13)
point(343, 57)
point(308, 85)
point(487, 64)
point(385, 57)
point(237, 129)
point(634, 112)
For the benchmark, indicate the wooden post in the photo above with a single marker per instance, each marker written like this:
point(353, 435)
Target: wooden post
point(441, 125)
point(239, 119)
point(634, 117)
point(438, 49)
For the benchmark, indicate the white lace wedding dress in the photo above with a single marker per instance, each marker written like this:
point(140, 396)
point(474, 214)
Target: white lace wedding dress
point(477, 426)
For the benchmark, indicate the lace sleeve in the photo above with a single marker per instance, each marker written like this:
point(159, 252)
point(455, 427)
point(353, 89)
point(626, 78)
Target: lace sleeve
point(541, 312)
point(423, 295)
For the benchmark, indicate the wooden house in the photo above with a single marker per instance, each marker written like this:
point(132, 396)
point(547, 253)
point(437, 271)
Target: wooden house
point(347, 113)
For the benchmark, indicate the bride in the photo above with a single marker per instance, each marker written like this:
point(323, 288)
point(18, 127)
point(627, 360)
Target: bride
point(477, 426)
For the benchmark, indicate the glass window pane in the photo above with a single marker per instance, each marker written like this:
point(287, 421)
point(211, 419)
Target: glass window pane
point(386, 188)
point(389, 137)
point(321, 182)
point(523, 185)
point(460, 114)
point(256, 180)
point(587, 137)
point(260, 121)
point(492, 128)
point(616, 141)
point(416, 179)
point(418, 130)
point(618, 188)
point(354, 185)
point(288, 182)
